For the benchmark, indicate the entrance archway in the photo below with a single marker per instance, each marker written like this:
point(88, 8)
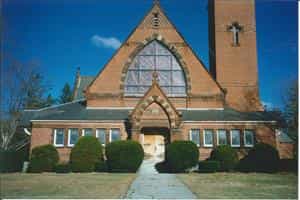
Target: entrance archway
point(154, 141)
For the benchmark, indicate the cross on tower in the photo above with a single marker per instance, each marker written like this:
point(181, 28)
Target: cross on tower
point(235, 28)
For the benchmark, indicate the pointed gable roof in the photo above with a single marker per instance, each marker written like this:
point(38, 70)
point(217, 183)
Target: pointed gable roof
point(145, 31)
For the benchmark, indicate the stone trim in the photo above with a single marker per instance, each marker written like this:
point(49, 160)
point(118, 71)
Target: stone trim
point(170, 47)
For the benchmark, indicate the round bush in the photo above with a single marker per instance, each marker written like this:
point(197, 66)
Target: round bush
point(209, 166)
point(43, 159)
point(182, 155)
point(62, 168)
point(101, 166)
point(262, 158)
point(226, 155)
point(85, 154)
point(124, 156)
point(162, 167)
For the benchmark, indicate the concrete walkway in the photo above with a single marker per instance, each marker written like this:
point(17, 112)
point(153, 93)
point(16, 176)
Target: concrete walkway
point(151, 185)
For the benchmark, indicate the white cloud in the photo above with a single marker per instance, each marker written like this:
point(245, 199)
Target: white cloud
point(108, 42)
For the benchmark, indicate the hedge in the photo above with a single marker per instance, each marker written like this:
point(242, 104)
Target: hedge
point(288, 165)
point(43, 159)
point(63, 168)
point(12, 160)
point(182, 155)
point(261, 158)
point(124, 156)
point(209, 166)
point(101, 166)
point(162, 167)
point(226, 155)
point(85, 154)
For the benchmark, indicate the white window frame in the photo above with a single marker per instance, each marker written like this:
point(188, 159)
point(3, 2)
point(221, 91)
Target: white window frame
point(235, 145)
point(249, 145)
point(97, 135)
point(110, 133)
point(218, 136)
point(190, 134)
point(83, 131)
point(204, 143)
point(69, 137)
point(54, 139)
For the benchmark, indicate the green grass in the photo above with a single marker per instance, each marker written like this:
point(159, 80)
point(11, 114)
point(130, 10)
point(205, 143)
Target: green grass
point(72, 185)
point(242, 185)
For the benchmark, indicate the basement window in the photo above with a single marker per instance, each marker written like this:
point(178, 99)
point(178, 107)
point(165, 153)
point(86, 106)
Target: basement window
point(208, 140)
point(235, 140)
point(101, 135)
point(222, 139)
point(249, 138)
point(195, 136)
point(87, 132)
point(72, 136)
point(59, 138)
point(114, 134)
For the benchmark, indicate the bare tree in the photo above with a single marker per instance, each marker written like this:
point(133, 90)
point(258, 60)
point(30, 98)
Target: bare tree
point(16, 83)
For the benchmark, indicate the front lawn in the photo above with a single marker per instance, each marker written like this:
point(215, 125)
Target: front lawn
point(72, 185)
point(242, 185)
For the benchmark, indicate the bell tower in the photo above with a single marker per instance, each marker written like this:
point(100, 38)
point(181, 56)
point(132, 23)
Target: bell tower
point(232, 51)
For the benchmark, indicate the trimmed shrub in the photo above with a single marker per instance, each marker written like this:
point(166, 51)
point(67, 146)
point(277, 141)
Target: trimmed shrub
point(262, 158)
point(43, 159)
point(182, 155)
point(209, 166)
point(101, 166)
point(85, 154)
point(162, 167)
point(12, 160)
point(288, 165)
point(124, 156)
point(226, 155)
point(246, 165)
point(63, 168)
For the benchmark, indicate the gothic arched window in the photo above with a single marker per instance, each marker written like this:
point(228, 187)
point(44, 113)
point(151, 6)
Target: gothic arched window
point(155, 57)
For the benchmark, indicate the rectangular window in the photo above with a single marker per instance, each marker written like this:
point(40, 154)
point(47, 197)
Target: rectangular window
point(249, 138)
point(208, 139)
point(59, 137)
point(72, 136)
point(87, 132)
point(100, 134)
point(222, 138)
point(114, 134)
point(195, 136)
point(235, 138)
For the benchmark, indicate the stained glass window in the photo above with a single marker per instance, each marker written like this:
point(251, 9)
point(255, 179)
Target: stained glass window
point(155, 57)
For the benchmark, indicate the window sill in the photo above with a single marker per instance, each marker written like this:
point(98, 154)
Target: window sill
point(237, 146)
point(208, 145)
point(249, 146)
point(57, 145)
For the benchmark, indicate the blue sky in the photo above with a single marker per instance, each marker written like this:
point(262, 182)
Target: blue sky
point(62, 35)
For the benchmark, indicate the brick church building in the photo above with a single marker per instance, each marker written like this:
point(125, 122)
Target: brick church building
point(155, 90)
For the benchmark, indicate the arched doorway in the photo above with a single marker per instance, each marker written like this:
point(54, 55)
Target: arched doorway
point(155, 133)
point(154, 140)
